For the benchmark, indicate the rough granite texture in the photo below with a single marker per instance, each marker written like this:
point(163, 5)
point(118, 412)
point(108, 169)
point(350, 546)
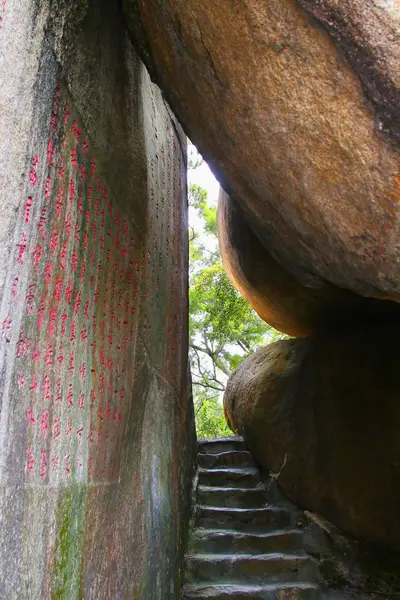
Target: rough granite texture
point(277, 296)
point(322, 415)
point(96, 429)
point(298, 121)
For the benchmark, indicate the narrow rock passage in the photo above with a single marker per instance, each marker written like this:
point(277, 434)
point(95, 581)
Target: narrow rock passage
point(240, 546)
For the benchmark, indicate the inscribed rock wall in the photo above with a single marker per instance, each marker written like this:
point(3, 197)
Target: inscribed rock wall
point(95, 413)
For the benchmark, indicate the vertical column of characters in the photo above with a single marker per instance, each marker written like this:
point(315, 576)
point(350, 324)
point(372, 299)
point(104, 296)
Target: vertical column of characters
point(173, 288)
point(112, 414)
point(107, 276)
point(97, 283)
point(152, 221)
point(35, 344)
point(80, 326)
point(158, 242)
point(112, 409)
point(50, 258)
point(134, 279)
point(174, 260)
point(151, 255)
point(92, 313)
point(115, 404)
point(152, 224)
point(180, 266)
point(175, 257)
point(82, 305)
point(164, 252)
point(67, 299)
point(103, 274)
point(122, 276)
point(106, 330)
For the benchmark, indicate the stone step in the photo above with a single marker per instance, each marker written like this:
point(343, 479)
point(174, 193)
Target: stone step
point(246, 477)
point(255, 520)
point(231, 457)
point(257, 568)
point(218, 541)
point(231, 497)
point(218, 445)
point(289, 591)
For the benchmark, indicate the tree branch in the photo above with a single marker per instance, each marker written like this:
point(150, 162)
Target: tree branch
point(209, 386)
point(218, 362)
point(243, 346)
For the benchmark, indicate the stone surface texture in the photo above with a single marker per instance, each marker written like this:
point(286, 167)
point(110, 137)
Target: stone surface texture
point(242, 543)
point(322, 416)
point(276, 295)
point(295, 104)
point(96, 427)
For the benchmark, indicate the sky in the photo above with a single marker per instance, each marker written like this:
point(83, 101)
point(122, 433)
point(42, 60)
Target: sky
point(203, 176)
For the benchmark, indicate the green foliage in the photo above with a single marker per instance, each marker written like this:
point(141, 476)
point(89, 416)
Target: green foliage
point(198, 200)
point(228, 328)
point(210, 420)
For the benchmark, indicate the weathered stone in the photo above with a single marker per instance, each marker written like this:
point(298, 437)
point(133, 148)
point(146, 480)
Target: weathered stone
point(301, 123)
point(322, 415)
point(96, 428)
point(276, 295)
point(353, 569)
point(241, 544)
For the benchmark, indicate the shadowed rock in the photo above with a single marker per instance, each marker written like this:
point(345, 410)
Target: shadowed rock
point(276, 295)
point(322, 415)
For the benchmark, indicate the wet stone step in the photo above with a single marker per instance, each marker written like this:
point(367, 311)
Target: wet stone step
point(231, 497)
point(241, 568)
point(216, 446)
point(247, 477)
point(241, 458)
point(216, 541)
point(256, 520)
point(298, 591)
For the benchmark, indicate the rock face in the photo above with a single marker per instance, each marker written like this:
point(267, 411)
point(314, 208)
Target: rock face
point(96, 427)
point(276, 295)
point(323, 416)
point(300, 122)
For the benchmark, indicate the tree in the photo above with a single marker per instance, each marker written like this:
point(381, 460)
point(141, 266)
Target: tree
point(223, 328)
point(195, 159)
point(210, 420)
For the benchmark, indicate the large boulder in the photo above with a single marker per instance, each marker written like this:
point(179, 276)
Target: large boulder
point(323, 416)
point(296, 105)
point(276, 295)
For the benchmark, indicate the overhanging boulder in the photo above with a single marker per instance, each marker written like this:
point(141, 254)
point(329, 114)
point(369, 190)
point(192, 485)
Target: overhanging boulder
point(276, 295)
point(295, 104)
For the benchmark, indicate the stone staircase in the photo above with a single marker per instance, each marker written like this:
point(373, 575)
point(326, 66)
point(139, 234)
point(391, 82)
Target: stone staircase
point(240, 546)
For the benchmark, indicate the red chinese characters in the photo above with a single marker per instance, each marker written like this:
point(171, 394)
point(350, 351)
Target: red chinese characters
point(21, 246)
point(33, 176)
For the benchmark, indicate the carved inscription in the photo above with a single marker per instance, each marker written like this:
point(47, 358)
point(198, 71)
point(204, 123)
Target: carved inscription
point(75, 347)
point(165, 246)
point(92, 289)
